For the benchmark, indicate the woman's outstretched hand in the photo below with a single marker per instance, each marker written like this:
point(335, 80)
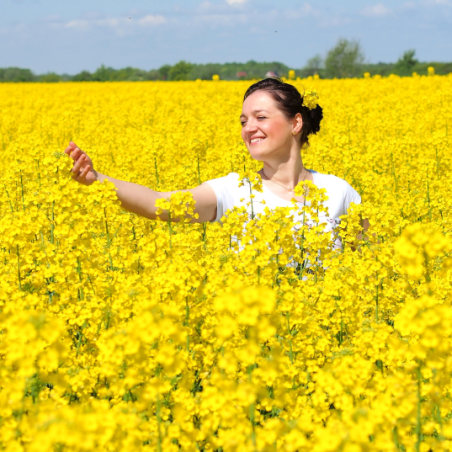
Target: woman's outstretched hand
point(82, 171)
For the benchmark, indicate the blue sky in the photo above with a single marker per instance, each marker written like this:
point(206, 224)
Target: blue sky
point(63, 36)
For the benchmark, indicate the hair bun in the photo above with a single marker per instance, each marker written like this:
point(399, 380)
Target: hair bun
point(316, 116)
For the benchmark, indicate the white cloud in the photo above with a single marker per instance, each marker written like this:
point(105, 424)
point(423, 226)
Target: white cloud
point(150, 20)
point(378, 10)
point(113, 22)
point(118, 24)
point(236, 2)
point(305, 10)
point(335, 21)
point(78, 24)
point(426, 3)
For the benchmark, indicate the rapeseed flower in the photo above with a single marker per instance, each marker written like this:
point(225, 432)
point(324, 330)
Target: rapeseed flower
point(258, 333)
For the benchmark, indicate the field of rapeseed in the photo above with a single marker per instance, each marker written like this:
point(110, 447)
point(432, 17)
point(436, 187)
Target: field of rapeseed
point(119, 333)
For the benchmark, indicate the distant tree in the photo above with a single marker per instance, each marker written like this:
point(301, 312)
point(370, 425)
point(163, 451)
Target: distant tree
point(84, 76)
point(50, 77)
point(344, 60)
point(313, 66)
point(128, 73)
point(66, 77)
point(206, 71)
point(180, 71)
point(164, 71)
point(137, 76)
point(103, 74)
point(406, 63)
point(153, 74)
point(16, 74)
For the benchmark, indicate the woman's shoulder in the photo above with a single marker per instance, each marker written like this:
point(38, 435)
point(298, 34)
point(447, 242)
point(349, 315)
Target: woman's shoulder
point(334, 184)
point(329, 179)
point(228, 183)
point(225, 179)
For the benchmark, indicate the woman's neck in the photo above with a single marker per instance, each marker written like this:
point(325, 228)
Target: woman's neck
point(287, 173)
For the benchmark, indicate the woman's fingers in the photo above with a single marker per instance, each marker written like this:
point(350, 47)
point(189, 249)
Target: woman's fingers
point(76, 153)
point(78, 165)
point(83, 174)
point(70, 148)
point(82, 164)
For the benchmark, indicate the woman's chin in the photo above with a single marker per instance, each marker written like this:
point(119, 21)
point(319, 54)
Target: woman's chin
point(258, 154)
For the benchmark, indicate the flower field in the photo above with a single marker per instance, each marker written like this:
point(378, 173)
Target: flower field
point(119, 333)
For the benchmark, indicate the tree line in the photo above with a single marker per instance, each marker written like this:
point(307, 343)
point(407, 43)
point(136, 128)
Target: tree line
point(345, 59)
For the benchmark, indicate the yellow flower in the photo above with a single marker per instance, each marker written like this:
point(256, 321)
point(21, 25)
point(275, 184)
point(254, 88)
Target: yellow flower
point(121, 333)
point(310, 98)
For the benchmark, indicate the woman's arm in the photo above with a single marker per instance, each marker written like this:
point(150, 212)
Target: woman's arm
point(137, 198)
point(365, 225)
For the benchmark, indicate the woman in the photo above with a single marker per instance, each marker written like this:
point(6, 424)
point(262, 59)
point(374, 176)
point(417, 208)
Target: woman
point(275, 126)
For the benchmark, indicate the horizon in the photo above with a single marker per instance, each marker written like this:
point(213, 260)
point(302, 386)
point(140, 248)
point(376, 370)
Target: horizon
point(213, 63)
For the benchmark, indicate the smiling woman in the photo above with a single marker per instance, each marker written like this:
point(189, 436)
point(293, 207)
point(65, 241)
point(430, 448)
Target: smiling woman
point(276, 123)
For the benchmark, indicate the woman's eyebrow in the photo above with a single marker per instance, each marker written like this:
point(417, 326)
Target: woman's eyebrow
point(254, 111)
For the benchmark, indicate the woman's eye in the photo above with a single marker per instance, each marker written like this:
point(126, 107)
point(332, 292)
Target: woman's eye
point(242, 122)
point(261, 117)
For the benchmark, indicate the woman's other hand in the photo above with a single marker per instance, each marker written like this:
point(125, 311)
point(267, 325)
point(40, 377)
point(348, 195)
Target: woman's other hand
point(82, 170)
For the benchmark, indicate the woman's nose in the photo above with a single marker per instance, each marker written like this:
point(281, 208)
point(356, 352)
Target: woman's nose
point(250, 127)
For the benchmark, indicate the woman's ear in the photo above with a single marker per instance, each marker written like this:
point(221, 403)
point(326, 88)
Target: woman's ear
point(297, 123)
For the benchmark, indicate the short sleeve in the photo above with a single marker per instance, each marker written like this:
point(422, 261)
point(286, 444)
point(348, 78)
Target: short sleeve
point(224, 188)
point(350, 196)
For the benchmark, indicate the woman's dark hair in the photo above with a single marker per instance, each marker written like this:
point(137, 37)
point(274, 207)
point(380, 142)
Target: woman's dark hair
point(290, 102)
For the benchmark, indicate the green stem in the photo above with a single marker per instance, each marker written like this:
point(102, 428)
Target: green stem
point(252, 418)
point(290, 340)
point(187, 316)
point(394, 174)
point(79, 271)
point(9, 199)
point(204, 235)
point(300, 275)
point(428, 198)
point(418, 417)
point(252, 205)
point(39, 174)
point(376, 300)
point(52, 225)
point(156, 172)
point(18, 268)
point(395, 437)
point(159, 422)
point(79, 342)
point(170, 231)
point(22, 188)
point(106, 228)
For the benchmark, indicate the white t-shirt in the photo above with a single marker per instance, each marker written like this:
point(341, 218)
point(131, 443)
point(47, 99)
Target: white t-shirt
point(340, 195)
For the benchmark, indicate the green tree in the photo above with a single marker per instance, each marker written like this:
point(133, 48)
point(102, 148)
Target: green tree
point(406, 63)
point(84, 76)
point(344, 60)
point(313, 66)
point(50, 77)
point(16, 74)
point(103, 74)
point(164, 71)
point(180, 71)
point(153, 74)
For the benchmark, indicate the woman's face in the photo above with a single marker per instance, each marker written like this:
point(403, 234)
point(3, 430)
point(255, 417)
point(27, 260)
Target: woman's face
point(265, 129)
